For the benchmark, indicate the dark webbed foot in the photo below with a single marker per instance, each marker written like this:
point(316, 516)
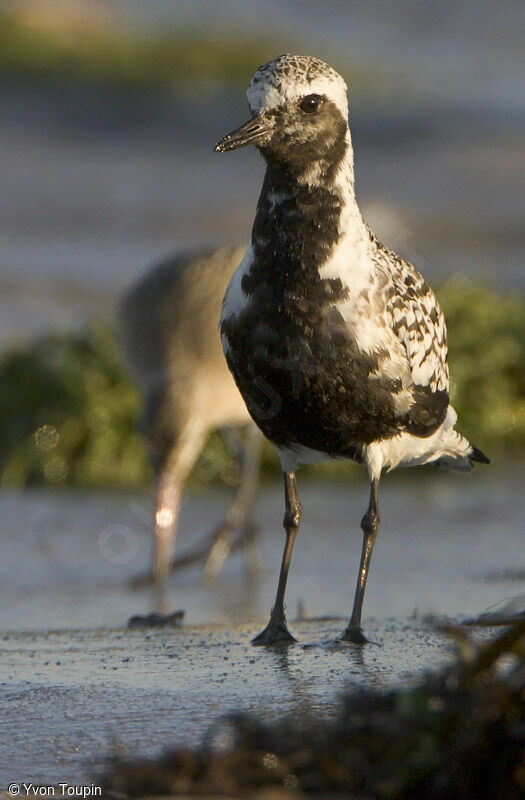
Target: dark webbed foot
point(274, 634)
point(354, 634)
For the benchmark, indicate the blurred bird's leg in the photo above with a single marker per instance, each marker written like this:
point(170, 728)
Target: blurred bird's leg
point(172, 473)
point(234, 530)
point(237, 527)
point(276, 632)
point(370, 525)
point(168, 497)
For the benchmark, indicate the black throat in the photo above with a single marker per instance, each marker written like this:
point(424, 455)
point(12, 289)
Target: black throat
point(296, 227)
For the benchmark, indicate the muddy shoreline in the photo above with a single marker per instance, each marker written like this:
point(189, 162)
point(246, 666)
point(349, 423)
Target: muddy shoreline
point(72, 699)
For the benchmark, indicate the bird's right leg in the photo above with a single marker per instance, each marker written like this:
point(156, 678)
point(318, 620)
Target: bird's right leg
point(276, 632)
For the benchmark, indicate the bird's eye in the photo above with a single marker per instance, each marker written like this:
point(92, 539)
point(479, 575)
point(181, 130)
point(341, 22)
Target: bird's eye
point(310, 104)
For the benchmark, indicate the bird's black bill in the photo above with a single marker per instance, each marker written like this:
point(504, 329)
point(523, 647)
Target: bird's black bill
point(255, 131)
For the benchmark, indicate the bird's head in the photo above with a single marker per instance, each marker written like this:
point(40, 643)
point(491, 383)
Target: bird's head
point(299, 112)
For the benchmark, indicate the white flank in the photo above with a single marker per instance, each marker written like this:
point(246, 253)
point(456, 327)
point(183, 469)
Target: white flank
point(446, 446)
point(235, 299)
point(291, 457)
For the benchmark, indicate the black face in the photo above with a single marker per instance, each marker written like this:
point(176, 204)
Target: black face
point(295, 134)
point(303, 131)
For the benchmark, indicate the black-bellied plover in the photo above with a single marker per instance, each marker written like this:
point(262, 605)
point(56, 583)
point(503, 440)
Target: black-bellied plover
point(168, 325)
point(337, 344)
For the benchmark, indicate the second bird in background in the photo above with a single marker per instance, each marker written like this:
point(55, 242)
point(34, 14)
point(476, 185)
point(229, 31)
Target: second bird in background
point(168, 327)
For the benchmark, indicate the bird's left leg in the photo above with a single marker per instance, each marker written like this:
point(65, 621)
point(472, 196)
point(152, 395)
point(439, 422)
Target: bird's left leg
point(370, 524)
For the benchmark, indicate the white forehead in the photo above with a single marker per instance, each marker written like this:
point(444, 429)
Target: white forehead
point(288, 78)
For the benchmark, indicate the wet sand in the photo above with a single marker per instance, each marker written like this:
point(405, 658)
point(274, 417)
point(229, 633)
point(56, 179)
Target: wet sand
point(71, 698)
point(75, 685)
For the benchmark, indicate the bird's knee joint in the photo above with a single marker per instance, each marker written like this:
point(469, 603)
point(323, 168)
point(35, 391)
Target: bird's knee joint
point(292, 517)
point(370, 522)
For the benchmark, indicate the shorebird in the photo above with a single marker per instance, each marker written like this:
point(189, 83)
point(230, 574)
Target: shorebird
point(168, 324)
point(337, 344)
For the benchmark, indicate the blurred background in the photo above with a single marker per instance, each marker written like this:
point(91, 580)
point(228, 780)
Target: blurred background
point(110, 111)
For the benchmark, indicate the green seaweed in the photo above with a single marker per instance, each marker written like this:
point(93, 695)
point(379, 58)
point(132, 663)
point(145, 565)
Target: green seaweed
point(67, 414)
point(487, 362)
point(108, 57)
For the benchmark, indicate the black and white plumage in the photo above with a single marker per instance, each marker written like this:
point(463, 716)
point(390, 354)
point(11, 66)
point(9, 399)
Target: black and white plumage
point(337, 344)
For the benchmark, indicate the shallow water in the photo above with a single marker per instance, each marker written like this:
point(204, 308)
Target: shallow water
point(445, 545)
point(75, 684)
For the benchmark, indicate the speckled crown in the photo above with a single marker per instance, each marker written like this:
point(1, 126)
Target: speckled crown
point(289, 77)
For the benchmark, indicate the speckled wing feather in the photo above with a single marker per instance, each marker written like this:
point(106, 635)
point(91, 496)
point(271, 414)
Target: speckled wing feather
point(417, 320)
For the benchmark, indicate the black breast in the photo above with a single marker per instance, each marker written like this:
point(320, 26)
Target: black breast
point(301, 374)
point(304, 380)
